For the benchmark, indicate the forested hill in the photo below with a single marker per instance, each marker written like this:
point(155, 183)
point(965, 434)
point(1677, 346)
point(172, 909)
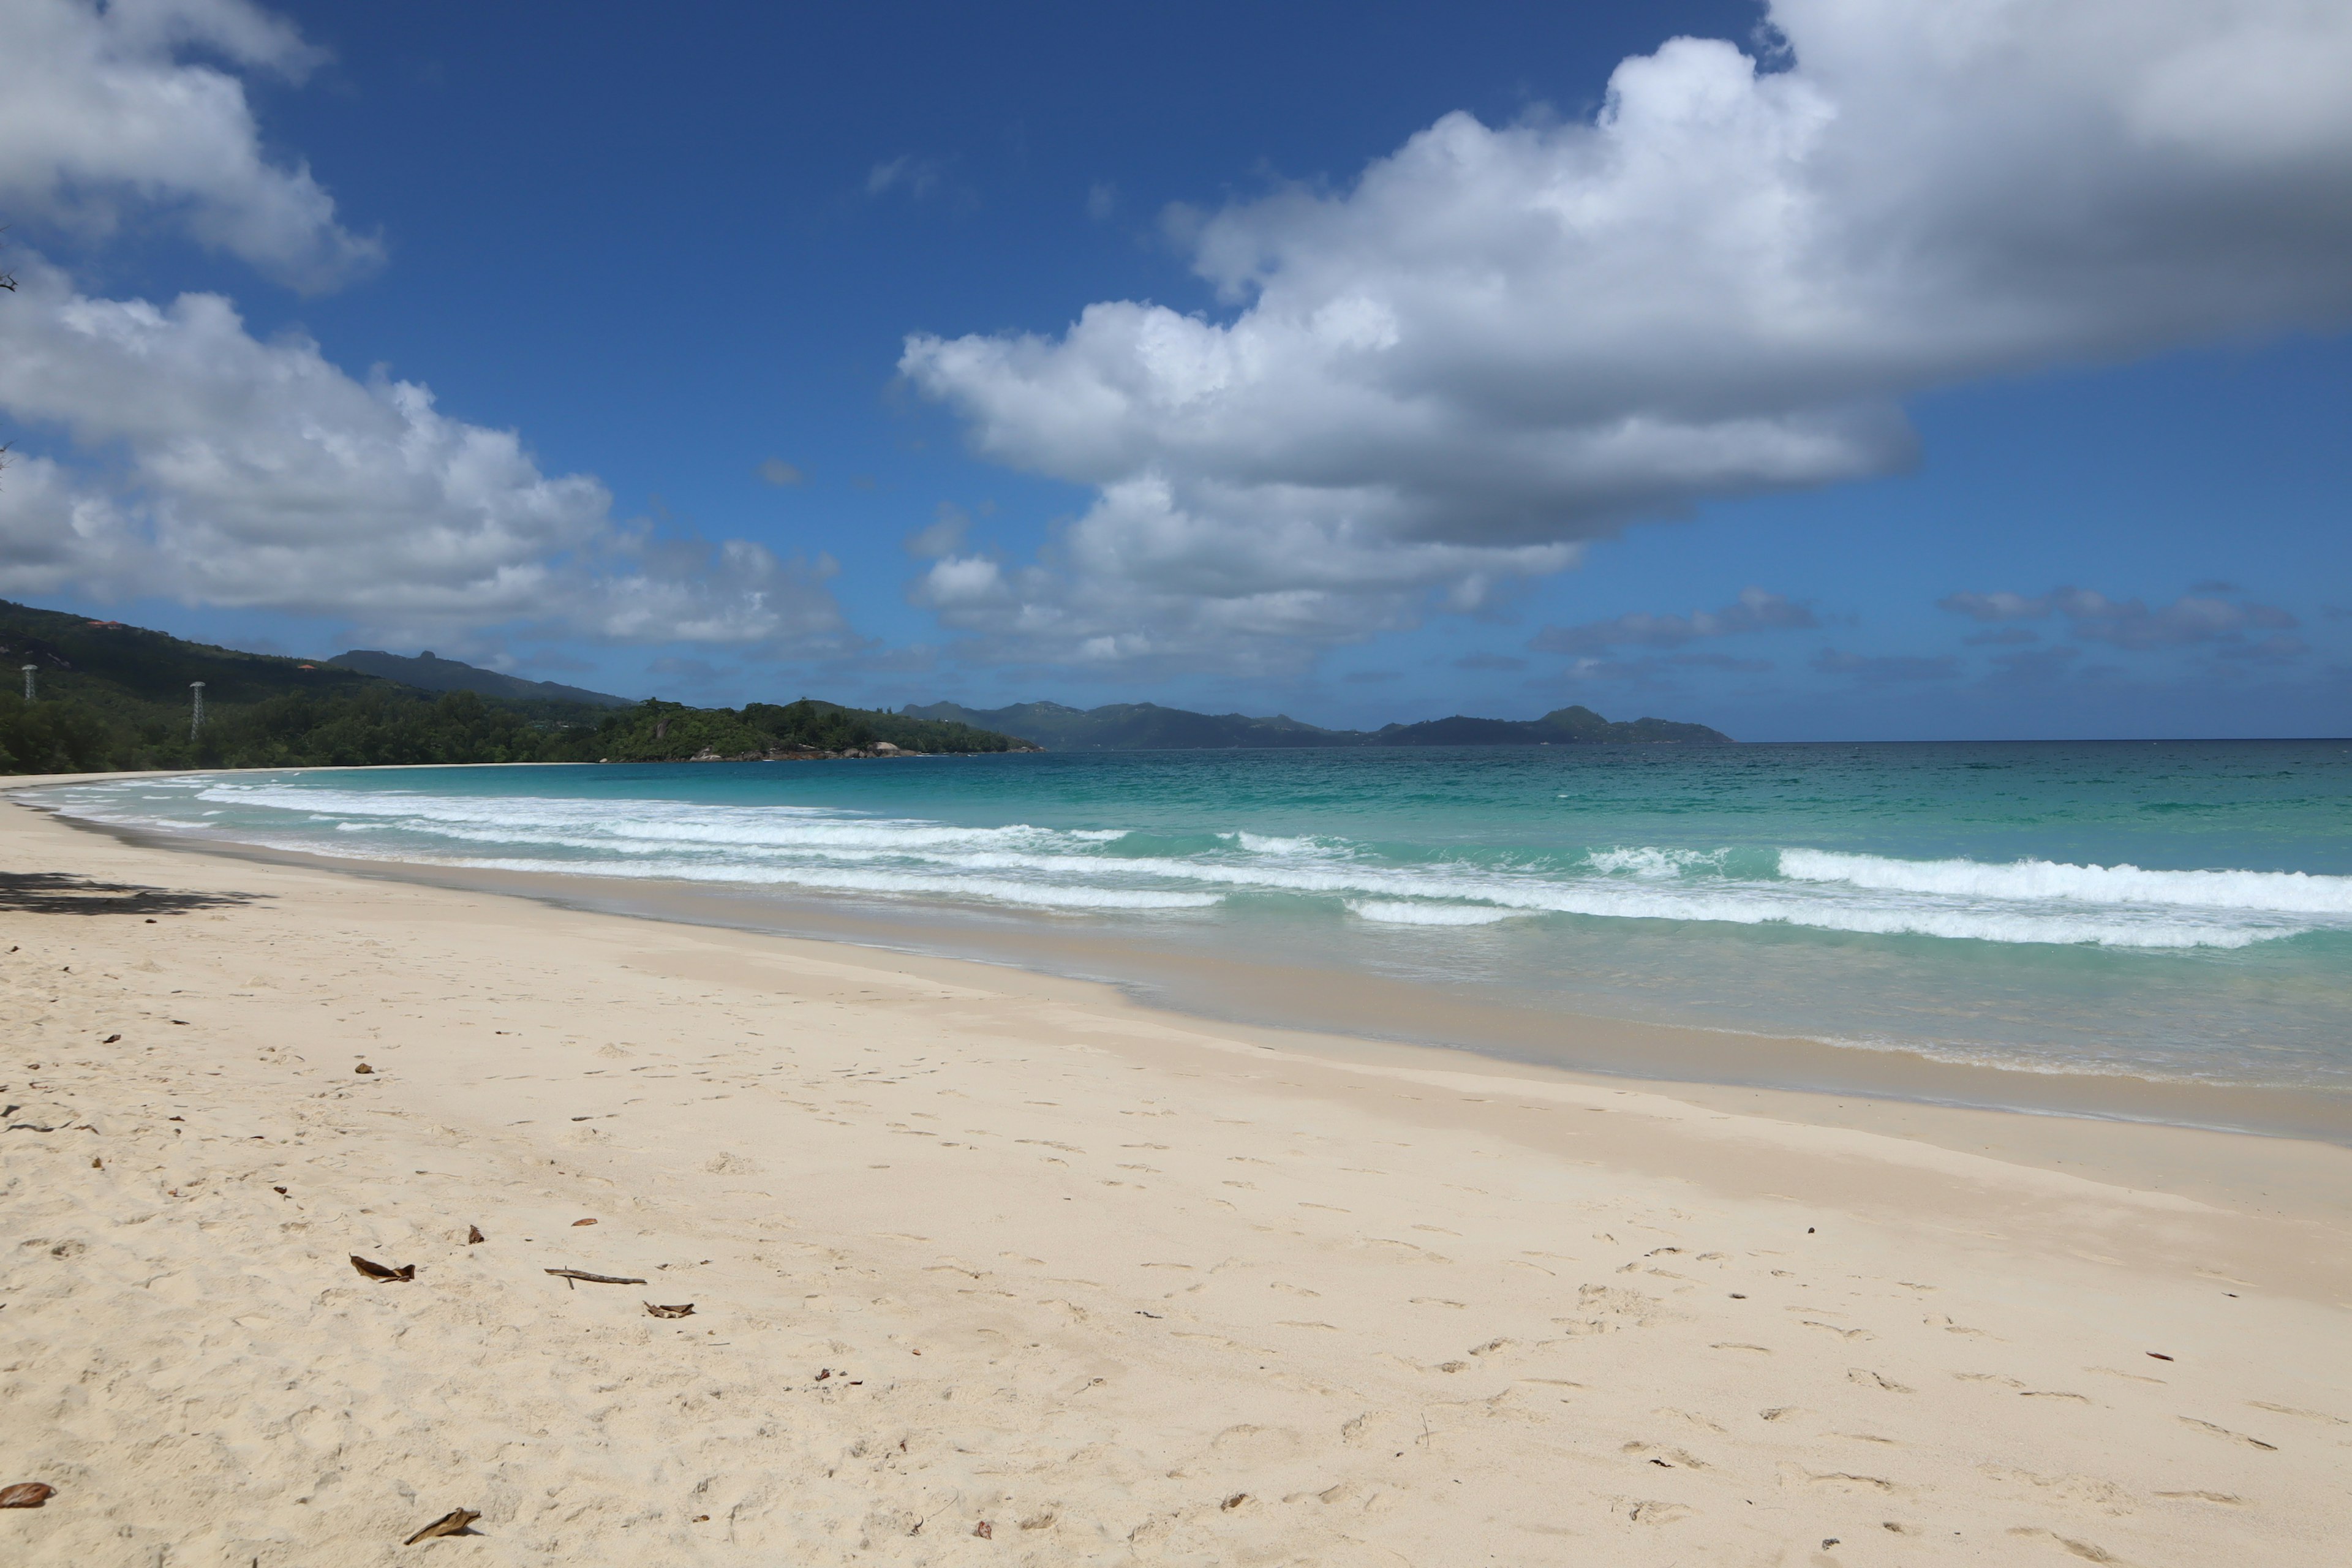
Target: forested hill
point(427, 672)
point(109, 696)
point(1145, 726)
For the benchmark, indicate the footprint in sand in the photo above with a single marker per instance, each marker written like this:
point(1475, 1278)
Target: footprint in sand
point(2225, 1432)
point(1869, 1379)
point(2292, 1410)
point(1842, 1333)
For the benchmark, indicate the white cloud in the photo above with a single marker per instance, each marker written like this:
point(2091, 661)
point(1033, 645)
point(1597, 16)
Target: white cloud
point(231, 471)
point(100, 115)
point(1143, 581)
point(1499, 342)
point(943, 537)
point(2130, 622)
point(1755, 610)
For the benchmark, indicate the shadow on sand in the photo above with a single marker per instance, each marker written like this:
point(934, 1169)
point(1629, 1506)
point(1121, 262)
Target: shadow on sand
point(61, 893)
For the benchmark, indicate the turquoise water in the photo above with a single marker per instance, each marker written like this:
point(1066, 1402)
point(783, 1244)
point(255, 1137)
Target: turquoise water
point(2167, 909)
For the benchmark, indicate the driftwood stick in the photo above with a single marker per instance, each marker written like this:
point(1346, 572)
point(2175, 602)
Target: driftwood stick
point(593, 1278)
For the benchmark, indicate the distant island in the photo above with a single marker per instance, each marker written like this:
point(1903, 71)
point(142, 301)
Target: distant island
point(1147, 726)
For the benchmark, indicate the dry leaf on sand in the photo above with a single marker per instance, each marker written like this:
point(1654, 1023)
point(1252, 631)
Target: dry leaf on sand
point(27, 1494)
point(451, 1523)
point(685, 1311)
point(378, 1271)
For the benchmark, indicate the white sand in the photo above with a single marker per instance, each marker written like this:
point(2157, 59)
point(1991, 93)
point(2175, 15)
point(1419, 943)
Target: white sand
point(1123, 1287)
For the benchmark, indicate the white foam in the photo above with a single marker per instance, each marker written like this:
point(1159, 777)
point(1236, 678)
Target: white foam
point(1643, 860)
point(2286, 892)
point(1272, 844)
point(1083, 868)
point(1389, 913)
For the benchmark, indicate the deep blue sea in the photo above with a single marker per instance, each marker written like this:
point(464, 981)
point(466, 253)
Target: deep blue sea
point(2164, 910)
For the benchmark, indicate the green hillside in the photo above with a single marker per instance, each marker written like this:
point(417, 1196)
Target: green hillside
point(429, 672)
point(654, 731)
point(108, 696)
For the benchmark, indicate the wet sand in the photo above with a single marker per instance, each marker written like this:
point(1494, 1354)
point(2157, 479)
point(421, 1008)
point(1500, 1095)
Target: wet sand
point(975, 1247)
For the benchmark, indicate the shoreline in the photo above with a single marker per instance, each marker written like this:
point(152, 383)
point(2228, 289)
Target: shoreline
point(1195, 988)
point(973, 1247)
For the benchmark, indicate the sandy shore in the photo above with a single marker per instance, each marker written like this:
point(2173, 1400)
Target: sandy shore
point(990, 1268)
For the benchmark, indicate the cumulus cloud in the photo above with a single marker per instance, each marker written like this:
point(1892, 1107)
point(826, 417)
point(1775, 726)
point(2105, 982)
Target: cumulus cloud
point(231, 471)
point(102, 113)
point(943, 536)
point(1500, 342)
point(1142, 581)
point(2130, 622)
point(1755, 611)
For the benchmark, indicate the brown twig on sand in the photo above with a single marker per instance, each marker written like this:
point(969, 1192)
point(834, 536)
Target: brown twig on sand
point(454, 1522)
point(593, 1278)
point(27, 1494)
point(378, 1271)
point(687, 1310)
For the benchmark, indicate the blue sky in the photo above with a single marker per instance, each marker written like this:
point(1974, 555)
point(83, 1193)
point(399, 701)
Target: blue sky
point(1876, 385)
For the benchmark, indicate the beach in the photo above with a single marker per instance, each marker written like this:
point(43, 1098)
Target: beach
point(990, 1265)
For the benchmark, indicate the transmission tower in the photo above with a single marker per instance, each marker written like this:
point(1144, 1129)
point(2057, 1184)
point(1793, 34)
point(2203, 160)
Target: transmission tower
point(196, 713)
point(29, 680)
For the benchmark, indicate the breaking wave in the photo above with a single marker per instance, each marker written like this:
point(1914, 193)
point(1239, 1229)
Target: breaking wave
point(1082, 870)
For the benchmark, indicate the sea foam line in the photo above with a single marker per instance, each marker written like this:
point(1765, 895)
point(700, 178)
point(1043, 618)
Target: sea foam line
point(2284, 893)
point(1050, 867)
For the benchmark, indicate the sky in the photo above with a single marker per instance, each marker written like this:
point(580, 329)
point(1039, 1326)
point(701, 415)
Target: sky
point(1835, 369)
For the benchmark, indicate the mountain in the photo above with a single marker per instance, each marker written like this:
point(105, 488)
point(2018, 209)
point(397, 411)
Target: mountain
point(108, 696)
point(428, 673)
point(107, 661)
point(1147, 726)
point(1561, 727)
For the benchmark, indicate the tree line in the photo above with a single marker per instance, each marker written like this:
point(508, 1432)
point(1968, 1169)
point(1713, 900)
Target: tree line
point(377, 725)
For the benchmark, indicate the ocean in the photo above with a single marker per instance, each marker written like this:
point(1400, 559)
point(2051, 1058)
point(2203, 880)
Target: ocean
point(2167, 910)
